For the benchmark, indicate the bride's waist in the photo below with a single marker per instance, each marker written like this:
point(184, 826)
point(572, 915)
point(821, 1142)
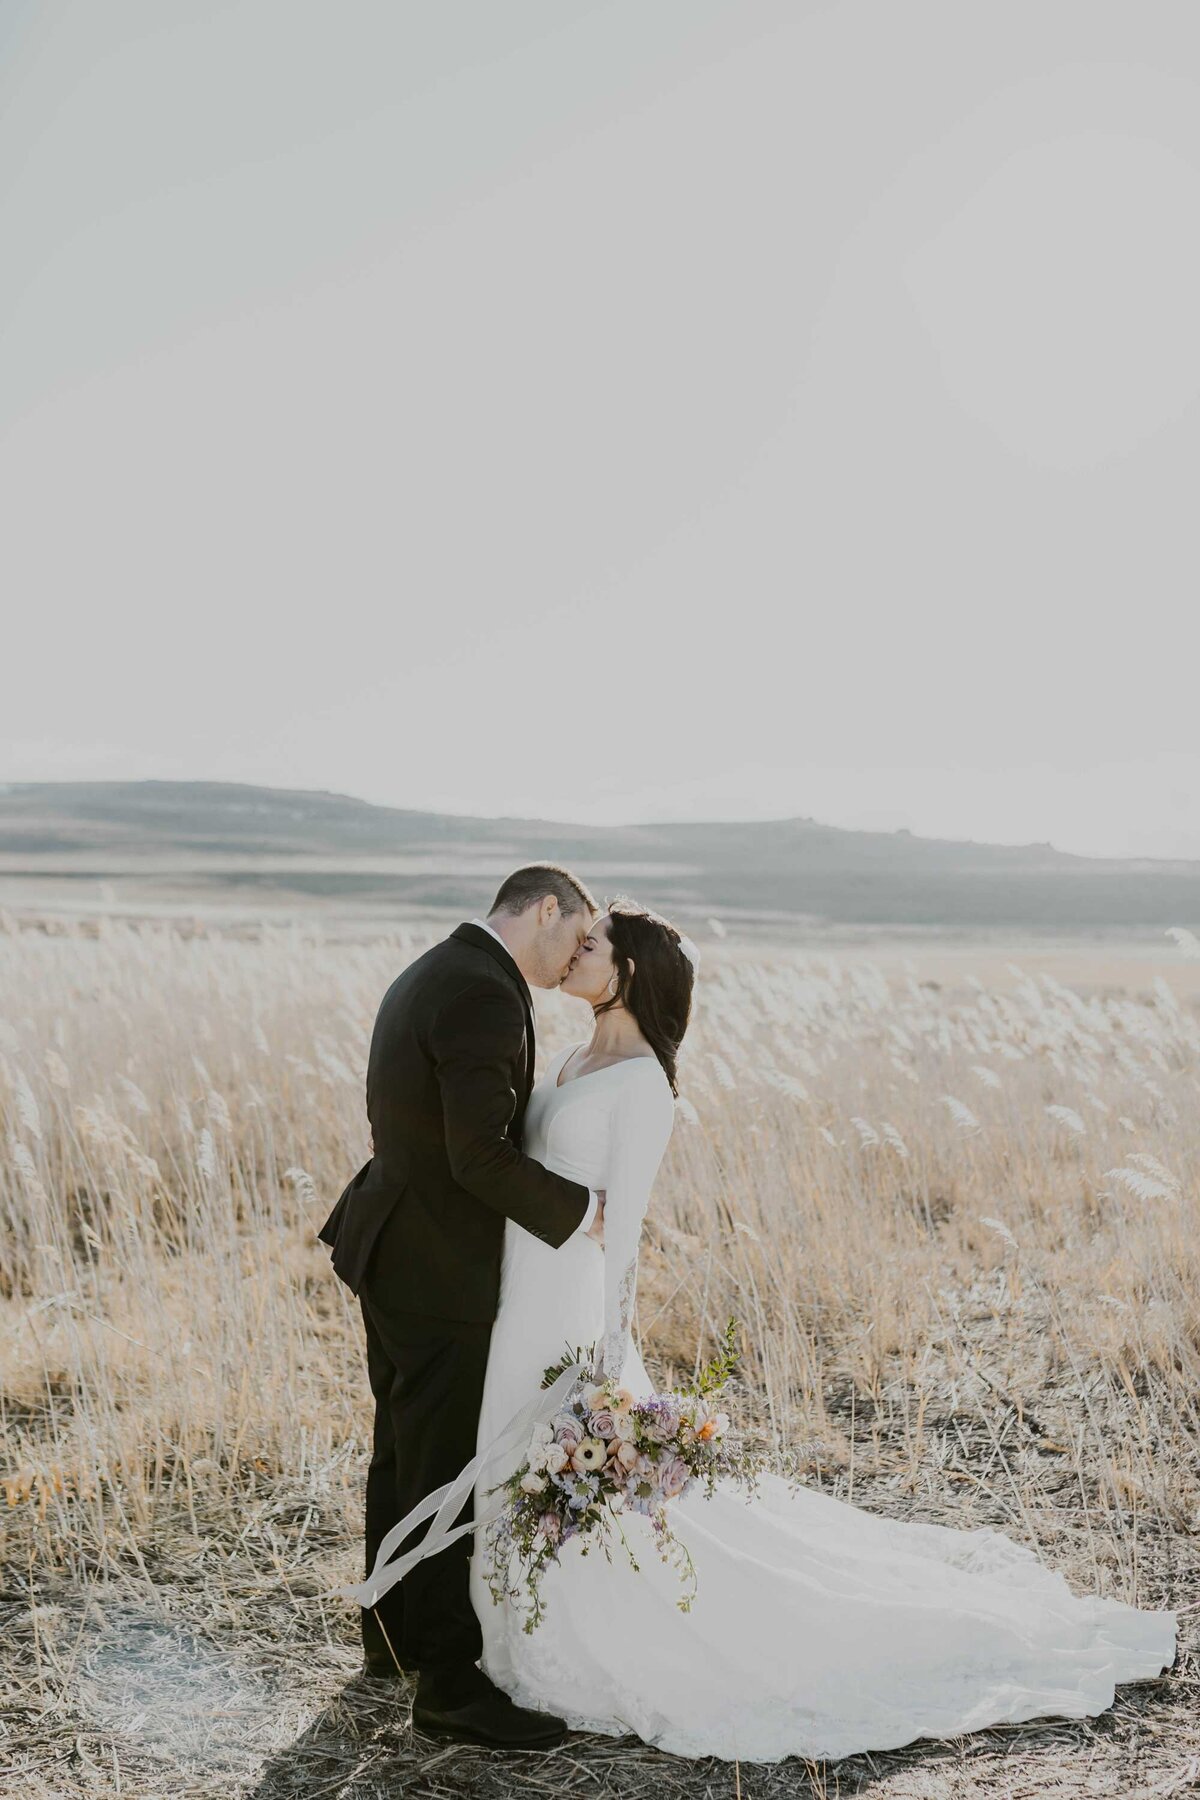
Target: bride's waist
point(588, 1175)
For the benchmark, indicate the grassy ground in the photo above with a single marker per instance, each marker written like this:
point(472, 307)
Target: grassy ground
point(956, 1214)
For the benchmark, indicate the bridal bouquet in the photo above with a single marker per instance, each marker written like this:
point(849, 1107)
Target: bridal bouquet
point(603, 1454)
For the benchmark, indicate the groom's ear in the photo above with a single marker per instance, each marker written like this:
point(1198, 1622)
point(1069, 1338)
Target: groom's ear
point(548, 909)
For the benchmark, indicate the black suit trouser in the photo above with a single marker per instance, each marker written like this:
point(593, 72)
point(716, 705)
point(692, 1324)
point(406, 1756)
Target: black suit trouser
point(427, 1378)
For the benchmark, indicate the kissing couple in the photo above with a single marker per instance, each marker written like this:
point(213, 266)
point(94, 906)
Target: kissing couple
point(498, 1220)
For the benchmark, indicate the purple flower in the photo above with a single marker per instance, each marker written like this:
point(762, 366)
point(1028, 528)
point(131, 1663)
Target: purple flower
point(659, 1418)
point(582, 1490)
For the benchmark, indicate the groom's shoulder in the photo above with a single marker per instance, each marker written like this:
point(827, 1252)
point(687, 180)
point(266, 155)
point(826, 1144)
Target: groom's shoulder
point(449, 980)
point(455, 966)
point(456, 988)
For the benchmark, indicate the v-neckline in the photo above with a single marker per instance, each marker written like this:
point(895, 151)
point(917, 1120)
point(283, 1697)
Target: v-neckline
point(560, 1084)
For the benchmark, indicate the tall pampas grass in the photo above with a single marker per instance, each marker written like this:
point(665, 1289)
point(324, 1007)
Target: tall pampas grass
point(920, 1279)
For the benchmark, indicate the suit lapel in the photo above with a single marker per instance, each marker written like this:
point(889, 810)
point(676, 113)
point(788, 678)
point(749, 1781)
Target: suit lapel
point(530, 1056)
point(483, 940)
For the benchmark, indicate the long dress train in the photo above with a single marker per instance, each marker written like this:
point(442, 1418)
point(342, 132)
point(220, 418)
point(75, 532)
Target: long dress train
point(818, 1629)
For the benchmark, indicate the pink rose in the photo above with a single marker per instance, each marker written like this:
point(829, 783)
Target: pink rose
point(569, 1434)
point(602, 1423)
point(673, 1477)
point(550, 1526)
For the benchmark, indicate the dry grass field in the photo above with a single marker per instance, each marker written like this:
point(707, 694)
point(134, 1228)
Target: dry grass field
point(958, 1216)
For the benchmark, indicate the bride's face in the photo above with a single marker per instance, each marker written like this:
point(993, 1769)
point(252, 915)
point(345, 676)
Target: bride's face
point(592, 966)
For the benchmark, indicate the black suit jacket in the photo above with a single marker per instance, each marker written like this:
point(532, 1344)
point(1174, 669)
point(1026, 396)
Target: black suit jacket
point(448, 1079)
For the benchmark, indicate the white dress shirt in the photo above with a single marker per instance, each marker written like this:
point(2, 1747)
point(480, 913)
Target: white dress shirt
point(593, 1199)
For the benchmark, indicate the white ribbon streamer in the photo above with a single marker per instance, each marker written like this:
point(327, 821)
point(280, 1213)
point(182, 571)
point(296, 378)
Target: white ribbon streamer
point(446, 1502)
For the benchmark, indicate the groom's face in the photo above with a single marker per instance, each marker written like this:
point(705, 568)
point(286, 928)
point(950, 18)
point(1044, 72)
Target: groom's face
point(558, 937)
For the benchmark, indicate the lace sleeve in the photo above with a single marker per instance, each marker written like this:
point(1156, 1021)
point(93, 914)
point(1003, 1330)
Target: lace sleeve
point(640, 1125)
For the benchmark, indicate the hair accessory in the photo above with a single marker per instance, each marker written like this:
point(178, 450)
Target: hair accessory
point(690, 951)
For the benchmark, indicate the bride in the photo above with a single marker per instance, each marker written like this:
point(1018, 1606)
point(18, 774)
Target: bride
point(817, 1629)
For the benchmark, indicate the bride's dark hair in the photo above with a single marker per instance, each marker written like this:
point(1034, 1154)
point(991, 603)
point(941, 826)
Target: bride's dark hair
point(654, 978)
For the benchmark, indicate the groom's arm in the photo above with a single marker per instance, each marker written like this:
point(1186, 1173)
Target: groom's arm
point(477, 1046)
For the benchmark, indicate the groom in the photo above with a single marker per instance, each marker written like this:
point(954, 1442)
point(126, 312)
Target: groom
point(418, 1236)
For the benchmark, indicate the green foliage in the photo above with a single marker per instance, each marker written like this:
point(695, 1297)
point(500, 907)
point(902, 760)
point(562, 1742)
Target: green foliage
point(716, 1372)
point(581, 1354)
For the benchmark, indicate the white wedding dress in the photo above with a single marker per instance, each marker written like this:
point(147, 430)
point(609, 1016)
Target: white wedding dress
point(817, 1629)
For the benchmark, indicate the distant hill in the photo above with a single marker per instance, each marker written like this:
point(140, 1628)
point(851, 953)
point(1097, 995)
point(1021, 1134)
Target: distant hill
point(214, 840)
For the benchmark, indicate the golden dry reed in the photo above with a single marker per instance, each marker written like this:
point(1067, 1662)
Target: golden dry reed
point(934, 1211)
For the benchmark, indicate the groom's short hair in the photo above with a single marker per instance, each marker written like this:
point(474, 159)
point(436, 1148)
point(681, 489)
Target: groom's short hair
point(525, 887)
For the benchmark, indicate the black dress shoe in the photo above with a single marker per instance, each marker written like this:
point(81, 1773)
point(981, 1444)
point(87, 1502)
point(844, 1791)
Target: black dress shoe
point(489, 1718)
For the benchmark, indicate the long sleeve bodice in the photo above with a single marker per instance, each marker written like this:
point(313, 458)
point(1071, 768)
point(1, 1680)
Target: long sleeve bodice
point(607, 1130)
point(639, 1121)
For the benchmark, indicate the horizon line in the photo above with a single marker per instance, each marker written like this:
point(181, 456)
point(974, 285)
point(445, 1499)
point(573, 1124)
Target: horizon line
point(7, 784)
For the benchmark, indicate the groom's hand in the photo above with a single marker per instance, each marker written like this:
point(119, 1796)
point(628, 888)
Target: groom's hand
point(596, 1228)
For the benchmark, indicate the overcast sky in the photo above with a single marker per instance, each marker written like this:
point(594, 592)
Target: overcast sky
point(681, 408)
